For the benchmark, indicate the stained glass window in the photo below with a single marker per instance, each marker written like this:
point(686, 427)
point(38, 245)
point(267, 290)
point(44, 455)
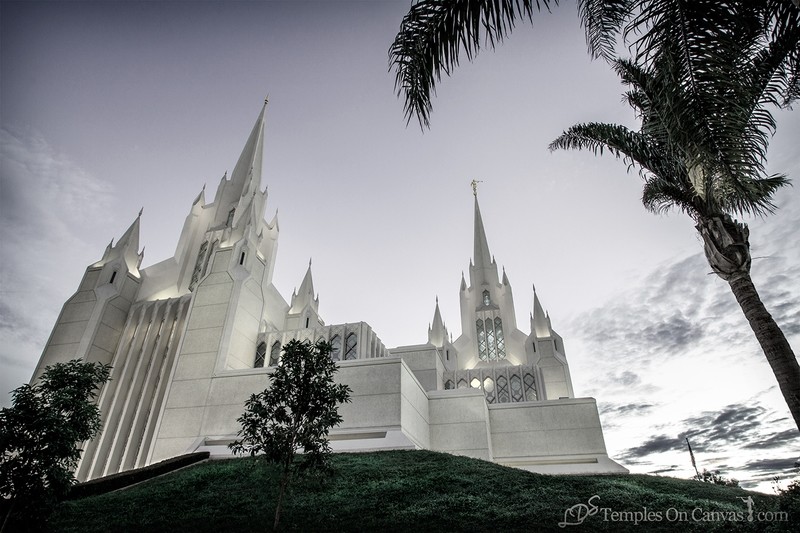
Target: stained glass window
point(261, 355)
point(336, 347)
point(275, 354)
point(350, 346)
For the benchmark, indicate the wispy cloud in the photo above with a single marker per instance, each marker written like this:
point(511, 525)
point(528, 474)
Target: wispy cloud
point(48, 206)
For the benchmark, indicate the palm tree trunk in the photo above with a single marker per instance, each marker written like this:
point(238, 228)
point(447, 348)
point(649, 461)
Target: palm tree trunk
point(727, 249)
point(773, 342)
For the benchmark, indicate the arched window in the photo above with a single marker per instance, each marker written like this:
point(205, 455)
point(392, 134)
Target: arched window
point(261, 355)
point(462, 383)
point(336, 347)
point(481, 340)
point(350, 347)
point(275, 354)
point(487, 300)
point(448, 384)
point(501, 341)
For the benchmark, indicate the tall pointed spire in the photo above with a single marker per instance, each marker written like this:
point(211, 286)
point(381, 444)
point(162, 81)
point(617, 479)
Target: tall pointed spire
point(246, 175)
point(540, 323)
point(437, 332)
point(481, 256)
point(305, 296)
point(127, 247)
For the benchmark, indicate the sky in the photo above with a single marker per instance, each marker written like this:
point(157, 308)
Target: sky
point(109, 107)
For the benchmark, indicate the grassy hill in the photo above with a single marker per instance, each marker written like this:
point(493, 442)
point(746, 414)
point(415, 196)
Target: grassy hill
point(415, 491)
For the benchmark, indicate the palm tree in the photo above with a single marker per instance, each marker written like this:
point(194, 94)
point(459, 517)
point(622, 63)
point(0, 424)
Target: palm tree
point(434, 33)
point(705, 72)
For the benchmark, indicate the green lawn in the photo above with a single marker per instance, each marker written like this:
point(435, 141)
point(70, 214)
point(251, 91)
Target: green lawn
point(410, 491)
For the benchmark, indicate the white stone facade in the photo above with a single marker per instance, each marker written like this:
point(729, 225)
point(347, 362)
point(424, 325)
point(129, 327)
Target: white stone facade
point(190, 338)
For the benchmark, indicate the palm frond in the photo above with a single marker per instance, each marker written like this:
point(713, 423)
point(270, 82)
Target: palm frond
point(434, 34)
point(602, 21)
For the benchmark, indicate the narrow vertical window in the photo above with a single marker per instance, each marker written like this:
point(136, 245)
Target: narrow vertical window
point(336, 347)
point(350, 347)
point(530, 387)
point(261, 355)
point(501, 341)
point(230, 217)
point(490, 340)
point(516, 388)
point(198, 265)
point(275, 354)
point(502, 389)
point(486, 298)
point(481, 340)
point(113, 277)
point(241, 259)
point(307, 321)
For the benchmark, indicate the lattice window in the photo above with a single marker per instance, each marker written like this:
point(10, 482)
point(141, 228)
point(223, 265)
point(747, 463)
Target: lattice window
point(530, 386)
point(481, 340)
point(488, 388)
point(490, 340)
point(275, 354)
point(502, 389)
point(475, 383)
point(501, 341)
point(449, 384)
point(261, 355)
point(516, 388)
point(350, 346)
point(336, 347)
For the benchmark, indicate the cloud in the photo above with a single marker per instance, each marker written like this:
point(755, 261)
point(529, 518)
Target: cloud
point(48, 209)
point(775, 440)
point(632, 409)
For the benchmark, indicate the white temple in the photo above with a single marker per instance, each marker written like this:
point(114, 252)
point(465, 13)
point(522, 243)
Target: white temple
point(190, 338)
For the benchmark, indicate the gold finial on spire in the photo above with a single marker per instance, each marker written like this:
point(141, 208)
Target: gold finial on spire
point(474, 184)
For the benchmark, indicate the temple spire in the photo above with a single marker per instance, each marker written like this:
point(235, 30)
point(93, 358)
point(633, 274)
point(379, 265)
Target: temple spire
point(126, 247)
point(305, 296)
point(481, 256)
point(437, 332)
point(540, 322)
point(246, 175)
